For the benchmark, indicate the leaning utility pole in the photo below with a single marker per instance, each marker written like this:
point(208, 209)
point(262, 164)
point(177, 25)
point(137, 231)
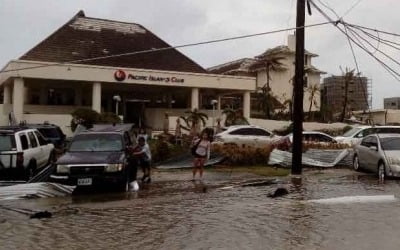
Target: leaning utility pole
point(298, 89)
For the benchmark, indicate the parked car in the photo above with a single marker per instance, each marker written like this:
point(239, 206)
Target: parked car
point(379, 153)
point(355, 134)
point(315, 137)
point(23, 151)
point(246, 135)
point(50, 132)
point(95, 157)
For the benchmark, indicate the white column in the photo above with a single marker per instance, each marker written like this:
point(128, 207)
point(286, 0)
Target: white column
point(18, 99)
point(219, 103)
point(195, 99)
point(96, 97)
point(246, 104)
point(7, 94)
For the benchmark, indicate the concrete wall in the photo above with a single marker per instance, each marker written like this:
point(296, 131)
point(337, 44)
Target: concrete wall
point(379, 116)
point(51, 109)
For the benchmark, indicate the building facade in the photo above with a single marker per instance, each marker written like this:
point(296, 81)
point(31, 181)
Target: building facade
point(333, 93)
point(391, 103)
point(281, 80)
point(76, 67)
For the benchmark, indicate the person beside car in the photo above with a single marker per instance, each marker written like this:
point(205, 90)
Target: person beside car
point(142, 154)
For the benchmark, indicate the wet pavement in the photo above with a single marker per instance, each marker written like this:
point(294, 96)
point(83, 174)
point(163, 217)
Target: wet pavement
point(220, 213)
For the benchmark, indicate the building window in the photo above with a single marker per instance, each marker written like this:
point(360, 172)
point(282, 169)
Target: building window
point(60, 97)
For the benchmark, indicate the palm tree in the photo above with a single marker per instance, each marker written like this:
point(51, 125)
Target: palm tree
point(349, 76)
point(312, 90)
point(193, 120)
point(268, 63)
point(234, 117)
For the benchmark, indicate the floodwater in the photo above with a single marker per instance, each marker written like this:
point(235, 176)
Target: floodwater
point(174, 213)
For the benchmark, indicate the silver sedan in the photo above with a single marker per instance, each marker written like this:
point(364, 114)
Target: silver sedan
point(379, 154)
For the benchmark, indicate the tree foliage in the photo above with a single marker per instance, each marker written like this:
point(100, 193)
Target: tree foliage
point(88, 117)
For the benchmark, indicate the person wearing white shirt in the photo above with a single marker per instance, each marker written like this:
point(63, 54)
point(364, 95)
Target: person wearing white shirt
point(143, 154)
point(201, 152)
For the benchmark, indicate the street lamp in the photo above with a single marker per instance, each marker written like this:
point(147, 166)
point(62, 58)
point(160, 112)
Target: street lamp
point(213, 103)
point(117, 99)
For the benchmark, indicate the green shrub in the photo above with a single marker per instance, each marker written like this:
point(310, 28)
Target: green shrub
point(235, 155)
point(285, 131)
point(109, 117)
point(85, 117)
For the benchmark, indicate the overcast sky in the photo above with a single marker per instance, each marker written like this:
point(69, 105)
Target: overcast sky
point(24, 23)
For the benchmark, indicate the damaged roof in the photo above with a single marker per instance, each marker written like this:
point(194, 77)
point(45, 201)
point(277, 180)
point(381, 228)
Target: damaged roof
point(282, 50)
point(238, 67)
point(85, 37)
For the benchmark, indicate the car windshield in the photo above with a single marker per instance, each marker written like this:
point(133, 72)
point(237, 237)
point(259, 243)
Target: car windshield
point(390, 143)
point(96, 143)
point(49, 132)
point(7, 142)
point(351, 132)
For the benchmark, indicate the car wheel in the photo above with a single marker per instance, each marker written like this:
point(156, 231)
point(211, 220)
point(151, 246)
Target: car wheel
point(123, 185)
point(381, 171)
point(356, 163)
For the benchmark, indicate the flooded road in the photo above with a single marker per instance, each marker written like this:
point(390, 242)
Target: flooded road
point(174, 213)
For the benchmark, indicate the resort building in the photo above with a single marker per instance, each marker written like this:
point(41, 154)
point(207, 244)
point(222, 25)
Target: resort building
point(280, 76)
point(76, 67)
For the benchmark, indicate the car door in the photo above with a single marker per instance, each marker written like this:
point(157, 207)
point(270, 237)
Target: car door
point(374, 155)
point(363, 151)
point(261, 137)
point(240, 136)
point(46, 148)
point(36, 151)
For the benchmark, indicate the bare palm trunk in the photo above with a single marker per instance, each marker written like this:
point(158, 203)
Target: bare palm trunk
point(346, 86)
point(311, 102)
point(267, 108)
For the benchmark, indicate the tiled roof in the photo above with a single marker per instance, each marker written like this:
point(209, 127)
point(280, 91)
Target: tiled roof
point(83, 37)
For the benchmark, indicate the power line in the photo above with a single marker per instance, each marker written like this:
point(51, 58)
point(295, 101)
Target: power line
point(379, 39)
point(167, 48)
point(376, 48)
point(387, 67)
point(376, 30)
point(351, 8)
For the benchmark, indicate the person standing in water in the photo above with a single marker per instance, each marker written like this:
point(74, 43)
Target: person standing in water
point(143, 155)
point(201, 152)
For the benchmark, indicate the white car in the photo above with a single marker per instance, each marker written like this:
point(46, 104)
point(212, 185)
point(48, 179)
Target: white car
point(379, 153)
point(247, 135)
point(355, 134)
point(22, 152)
point(315, 136)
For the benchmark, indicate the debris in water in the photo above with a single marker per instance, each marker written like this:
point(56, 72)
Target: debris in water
point(356, 199)
point(41, 215)
point(278, 193)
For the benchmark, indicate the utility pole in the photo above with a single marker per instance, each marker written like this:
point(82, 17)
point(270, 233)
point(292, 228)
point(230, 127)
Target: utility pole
point(298, 90)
